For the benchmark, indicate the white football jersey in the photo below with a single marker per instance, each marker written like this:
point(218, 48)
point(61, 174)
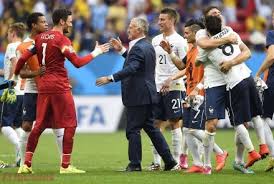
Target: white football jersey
point(228, 52)
point(213, 77)
point(10, 54)
point(164, 65)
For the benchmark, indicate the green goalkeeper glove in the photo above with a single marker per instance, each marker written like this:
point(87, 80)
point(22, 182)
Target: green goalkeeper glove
point(9, 96)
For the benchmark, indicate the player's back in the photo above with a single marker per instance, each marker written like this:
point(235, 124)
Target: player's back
point(228, 52)
point(48, 47)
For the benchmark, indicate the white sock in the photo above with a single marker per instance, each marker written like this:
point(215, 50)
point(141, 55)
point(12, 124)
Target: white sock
point(156, 156)
point(208, 142)
point(59, 134)
point(184, 144)
point(177, 143)
point(193, 148)
point(23, 139)
point(12, 136)
point(200, 134)
point(259, 129)
point(244, 137)
point(269, 136)
point(239, 156)
point(19, 131)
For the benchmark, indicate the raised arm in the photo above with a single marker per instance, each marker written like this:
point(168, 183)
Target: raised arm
point(174, 58)
point(136, 59)
point(81, 61)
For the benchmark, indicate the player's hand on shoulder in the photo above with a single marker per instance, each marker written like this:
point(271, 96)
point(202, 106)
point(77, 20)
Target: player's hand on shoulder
point(116, 44)
point(232, 38)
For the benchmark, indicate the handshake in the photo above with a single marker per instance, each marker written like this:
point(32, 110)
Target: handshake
point(113, 43)
point(8, 95)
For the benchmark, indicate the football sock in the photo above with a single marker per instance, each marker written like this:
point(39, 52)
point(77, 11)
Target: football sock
point(193, 148)
point(23, 144)
point(239, 156)
point(59, 134)
point(156, 156)
point(243, 134)
point(208, 143)
point(200, 134)
point(269, 136)
point(259, 129)
point(12, 136)
point(67, 145)
point(28, 158)
point(184, 144)
point(19, 131)
point(33, 139)
point(177, 143)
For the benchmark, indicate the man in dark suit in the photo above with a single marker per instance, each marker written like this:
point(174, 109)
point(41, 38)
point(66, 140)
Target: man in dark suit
point(138, 94)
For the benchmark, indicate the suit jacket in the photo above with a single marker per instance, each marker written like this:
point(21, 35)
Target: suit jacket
point(138, 75)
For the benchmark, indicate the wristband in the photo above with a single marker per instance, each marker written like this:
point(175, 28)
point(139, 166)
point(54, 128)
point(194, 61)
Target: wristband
point(96, 52)
point(173, 56)
point(200, 86)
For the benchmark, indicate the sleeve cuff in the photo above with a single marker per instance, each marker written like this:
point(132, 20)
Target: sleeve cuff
point(111, 78)
point(123, 51)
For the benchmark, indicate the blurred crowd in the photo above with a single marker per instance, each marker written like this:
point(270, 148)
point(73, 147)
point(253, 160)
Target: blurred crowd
point(103, 19)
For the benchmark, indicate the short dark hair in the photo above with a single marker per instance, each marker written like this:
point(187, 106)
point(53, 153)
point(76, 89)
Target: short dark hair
point(213, 24)
point(33, 19)
point(192, 22)
point(171, 12)
point(210, 8)
point(59, 14)
point(19, 28)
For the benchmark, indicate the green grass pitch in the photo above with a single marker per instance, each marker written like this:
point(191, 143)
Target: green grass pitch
point(101, 155)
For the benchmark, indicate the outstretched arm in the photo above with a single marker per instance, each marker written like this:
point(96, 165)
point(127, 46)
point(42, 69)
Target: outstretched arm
point(81, 61)
point(174, 58)
point(136, 58)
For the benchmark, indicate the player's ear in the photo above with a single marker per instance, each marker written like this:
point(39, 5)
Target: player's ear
point(62, 22)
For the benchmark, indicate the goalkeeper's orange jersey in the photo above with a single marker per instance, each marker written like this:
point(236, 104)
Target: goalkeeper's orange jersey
point(194, 74)
point(32, 63)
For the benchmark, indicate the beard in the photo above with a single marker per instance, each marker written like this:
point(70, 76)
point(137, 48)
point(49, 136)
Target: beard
point(66, 30)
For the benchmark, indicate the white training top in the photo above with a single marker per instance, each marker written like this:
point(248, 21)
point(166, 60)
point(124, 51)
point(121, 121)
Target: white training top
point(213, 77)
point(10, 54)
point(228, 52)
point(164, 65)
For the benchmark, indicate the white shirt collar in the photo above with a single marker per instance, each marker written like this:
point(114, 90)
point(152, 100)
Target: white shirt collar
point(133, 42)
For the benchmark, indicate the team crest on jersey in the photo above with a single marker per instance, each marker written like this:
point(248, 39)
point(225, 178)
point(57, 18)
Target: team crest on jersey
point(211, 110)
point(24, 111)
